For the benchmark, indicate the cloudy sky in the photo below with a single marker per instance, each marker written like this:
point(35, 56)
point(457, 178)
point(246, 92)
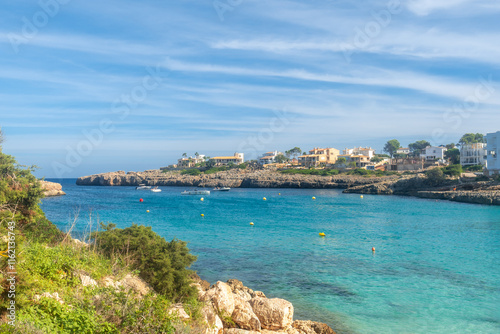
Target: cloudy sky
point(89, 87)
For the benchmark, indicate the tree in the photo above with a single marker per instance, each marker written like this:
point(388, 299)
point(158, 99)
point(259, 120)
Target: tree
point(341, 161)
point(471, 138)
point(196, 155)
point(376, 159)
point(450, 146)
point(417, 147)
point(453, 155)
point(184, 155)
point(294, 151)
point(280, 158)
point(392, 146)
point(1, 138)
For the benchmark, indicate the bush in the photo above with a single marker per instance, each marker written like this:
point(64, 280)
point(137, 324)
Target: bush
point(162, 264)
point(474, 168)
point(215, 170)
point(453, 170)
point(190, 172)
point(20, 193)
point(435, 176)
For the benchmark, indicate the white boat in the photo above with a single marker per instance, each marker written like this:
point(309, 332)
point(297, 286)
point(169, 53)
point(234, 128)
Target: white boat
point(221, 189)
point(196, 192)
point(156, 190)
point(142, 187)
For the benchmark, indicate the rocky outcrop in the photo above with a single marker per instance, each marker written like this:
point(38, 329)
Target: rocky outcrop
point(453, 190)
point(234, 178)
point(241, 310)
point(51, 189)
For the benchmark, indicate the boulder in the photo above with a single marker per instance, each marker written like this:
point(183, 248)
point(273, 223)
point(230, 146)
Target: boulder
point(274, 314)
point(212, 320)
point(243, 315)
point(239, 331)
point(54, 295)
point(131, 282)
point(109, 281)
point(178, 310)
point(311, 327)
point(222, 298)
point(87, 280)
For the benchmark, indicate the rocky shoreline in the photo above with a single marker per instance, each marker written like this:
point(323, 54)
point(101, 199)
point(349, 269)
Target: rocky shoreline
point(233, 178)
point(486, 192)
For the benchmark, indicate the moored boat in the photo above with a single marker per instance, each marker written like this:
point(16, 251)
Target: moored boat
point(221, 189)
point(156, 190)
point(142, 187)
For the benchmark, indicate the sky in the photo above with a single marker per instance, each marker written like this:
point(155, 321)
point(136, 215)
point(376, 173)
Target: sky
point(90, 87)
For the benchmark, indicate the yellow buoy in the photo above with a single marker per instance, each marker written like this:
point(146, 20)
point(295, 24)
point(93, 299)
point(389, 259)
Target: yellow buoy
point(361, 196)
point(147, 210)
point(314, 197)
point(251, 223)
point(322, 234)
point(202, 199)
point(202, 215)
point(264, 198)
point(279, 194)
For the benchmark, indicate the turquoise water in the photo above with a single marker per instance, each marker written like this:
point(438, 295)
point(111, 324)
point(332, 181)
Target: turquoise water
point(436, 268)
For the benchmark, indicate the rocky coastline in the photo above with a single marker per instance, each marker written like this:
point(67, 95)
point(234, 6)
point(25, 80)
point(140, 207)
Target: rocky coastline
point(233, 178)
point(466, 191)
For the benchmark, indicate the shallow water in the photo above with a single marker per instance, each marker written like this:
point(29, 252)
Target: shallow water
point(435, 269)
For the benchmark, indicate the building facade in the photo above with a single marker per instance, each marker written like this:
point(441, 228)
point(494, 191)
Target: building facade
point(433, 153)
point(319, 156)
point(473, 154)
point(190, 162)
point(366, 151)
point(493, 153)
point(269, 157)
point(236, 159)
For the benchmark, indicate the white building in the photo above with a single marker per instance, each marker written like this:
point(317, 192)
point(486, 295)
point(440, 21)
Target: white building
point(493, 153)
point(403, 150)
point(366, 151)
point(473, 154)
point(433, 153)
point(269, 157)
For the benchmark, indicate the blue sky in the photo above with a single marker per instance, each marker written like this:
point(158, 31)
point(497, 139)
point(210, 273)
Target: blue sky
point(90, 87)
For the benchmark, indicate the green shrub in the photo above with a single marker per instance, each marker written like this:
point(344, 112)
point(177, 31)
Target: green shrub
point(20, 193)
point(190, 172)
point(162, 264)
point(215, 170)
point(474, 168)
point(435, 176)
point(453, 170)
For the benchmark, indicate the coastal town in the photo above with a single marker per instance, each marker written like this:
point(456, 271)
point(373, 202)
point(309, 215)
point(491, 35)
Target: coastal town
point(474, 152)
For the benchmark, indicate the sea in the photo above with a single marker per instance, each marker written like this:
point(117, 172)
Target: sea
point(435, 267)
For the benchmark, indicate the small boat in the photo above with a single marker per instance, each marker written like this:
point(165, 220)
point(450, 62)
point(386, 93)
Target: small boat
point(196, 192)
point(142, 187)
point(156, 190)
point(221, 189)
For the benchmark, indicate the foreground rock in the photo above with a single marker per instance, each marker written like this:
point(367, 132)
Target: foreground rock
point(232, 308)
point(51, 189)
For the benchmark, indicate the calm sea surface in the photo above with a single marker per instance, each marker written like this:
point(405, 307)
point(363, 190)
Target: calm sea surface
point(436, 268)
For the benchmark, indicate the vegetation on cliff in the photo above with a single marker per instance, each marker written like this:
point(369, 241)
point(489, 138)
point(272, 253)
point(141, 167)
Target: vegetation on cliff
point(61, 286)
